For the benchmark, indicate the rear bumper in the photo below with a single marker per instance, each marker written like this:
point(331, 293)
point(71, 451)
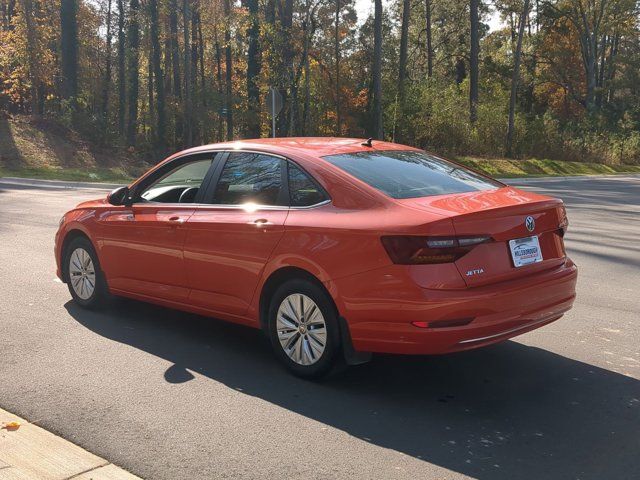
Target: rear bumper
point(380, 306)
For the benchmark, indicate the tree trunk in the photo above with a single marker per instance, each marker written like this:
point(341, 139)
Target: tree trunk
point(201, 63)
point(429, 40)
point(253, 72)
point(377, 72)
point(133, 73)
point(309, 29)
point(187, 105)
point(69, 49)
point(107, 73)
point(591, 73)
point(175, 60)
point(228, 66)
point(514, 80)
point(194, 114)
point(612, 67)
point(337, 73)
point(167, 64)
point(121, 69)
point(286, 83)
point(601, 68)
point(158, 74)
point(473, 61)
point(219, 87)
point(149, 135)
point(402, 64)
point(27, 10)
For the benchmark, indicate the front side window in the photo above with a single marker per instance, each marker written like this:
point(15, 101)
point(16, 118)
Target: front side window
point(250, 178)
point(410, 173)
point(180, 185)
point(303, 192)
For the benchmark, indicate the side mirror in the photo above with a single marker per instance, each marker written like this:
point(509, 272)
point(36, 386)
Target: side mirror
point(119, 196)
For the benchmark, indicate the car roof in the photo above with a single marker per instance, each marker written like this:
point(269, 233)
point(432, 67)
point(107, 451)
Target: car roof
point(310, 146)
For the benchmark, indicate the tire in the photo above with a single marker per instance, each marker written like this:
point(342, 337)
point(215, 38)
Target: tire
point(309, 348)
point(85, 279)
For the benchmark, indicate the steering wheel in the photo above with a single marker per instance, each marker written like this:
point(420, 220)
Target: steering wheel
point(188, 195)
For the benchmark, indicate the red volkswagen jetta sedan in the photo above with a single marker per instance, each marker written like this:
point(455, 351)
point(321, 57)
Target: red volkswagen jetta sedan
point(336, 248)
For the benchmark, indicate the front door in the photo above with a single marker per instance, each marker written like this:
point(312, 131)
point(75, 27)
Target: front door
point(229, 242)
point(141, 249)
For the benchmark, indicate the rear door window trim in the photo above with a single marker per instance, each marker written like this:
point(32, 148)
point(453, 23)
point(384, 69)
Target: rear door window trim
point(215, 177)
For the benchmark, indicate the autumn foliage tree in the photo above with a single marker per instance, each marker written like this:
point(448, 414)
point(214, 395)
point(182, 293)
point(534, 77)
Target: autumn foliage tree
point(556, 77)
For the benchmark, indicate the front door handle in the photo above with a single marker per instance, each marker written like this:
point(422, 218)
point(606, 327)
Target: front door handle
point(175, 221)
point(261, 222)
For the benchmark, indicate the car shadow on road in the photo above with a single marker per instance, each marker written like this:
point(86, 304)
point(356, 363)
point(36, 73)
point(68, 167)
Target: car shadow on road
point(509, 411)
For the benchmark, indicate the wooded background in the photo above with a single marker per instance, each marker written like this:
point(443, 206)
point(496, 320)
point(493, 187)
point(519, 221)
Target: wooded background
point(560, 79)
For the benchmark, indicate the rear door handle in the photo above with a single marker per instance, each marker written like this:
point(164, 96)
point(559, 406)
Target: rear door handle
point(176, 220)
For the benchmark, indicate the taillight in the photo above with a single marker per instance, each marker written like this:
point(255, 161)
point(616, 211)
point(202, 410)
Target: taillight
point(564, 221)
point(411, 250)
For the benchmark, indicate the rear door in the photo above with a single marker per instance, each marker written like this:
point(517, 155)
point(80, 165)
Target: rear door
point(230, 240)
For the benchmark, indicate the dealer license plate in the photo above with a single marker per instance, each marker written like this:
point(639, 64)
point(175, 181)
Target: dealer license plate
point(525, 251)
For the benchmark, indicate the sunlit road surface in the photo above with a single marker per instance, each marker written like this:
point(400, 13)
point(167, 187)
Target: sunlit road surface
point(169, 395)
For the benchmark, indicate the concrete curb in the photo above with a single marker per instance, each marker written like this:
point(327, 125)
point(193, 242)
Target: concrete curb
point(568, 177)
point(31, 452)
point(33, 182)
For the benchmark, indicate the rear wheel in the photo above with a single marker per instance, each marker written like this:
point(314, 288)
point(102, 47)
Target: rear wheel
point(303, 328)
point(84, 277)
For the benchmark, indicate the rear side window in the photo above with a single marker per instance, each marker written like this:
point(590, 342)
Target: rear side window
point(303, 192)
point(410, 174)
point(250, 178)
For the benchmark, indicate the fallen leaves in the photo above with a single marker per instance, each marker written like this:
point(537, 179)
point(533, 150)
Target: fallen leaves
point(11, 426)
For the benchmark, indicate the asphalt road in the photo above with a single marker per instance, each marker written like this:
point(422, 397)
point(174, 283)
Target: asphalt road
point(169, 395)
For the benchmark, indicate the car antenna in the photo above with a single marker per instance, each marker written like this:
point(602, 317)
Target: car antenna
point(368, 143)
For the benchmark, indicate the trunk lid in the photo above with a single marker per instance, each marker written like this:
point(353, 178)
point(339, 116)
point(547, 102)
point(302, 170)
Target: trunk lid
point(500, 214)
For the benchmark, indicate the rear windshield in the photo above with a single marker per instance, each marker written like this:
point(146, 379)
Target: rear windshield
point(410, 174)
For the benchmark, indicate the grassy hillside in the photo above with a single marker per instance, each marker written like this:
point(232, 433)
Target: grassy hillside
point(33, 148)
point(38, 148)
point(534, 167)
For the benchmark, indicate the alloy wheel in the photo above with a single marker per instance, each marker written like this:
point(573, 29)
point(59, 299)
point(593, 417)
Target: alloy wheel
point(82, 273)
point(301, 328)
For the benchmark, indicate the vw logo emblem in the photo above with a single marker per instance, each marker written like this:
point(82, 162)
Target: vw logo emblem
point(530, 223)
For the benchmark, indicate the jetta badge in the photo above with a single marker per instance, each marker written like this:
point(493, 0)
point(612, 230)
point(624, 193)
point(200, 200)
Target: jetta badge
point(530, 223)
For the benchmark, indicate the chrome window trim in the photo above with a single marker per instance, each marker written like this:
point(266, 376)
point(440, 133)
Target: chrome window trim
point(236, 206)
point(225, 206)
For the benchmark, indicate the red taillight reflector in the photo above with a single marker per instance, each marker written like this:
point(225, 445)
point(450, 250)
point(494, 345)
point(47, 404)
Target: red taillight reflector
point(564, 221)
point(414, 250)
point(460, 322)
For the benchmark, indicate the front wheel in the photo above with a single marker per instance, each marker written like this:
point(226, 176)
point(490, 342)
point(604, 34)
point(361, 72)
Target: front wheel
point(84, 277)
point(303, 328)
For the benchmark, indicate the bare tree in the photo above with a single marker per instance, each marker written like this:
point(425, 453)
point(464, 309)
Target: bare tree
point(514, 79)
point(429, 38)
point(377, 71)
point(187, 104)
point(27, 9)
point(402, 66)
point(228, 65)
point(157, 73)
point(336, 45)
point(121, 68)
point(253, 71)
point(473, 61)
point(133, 73)
point(69, 48)
point(107, 72)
